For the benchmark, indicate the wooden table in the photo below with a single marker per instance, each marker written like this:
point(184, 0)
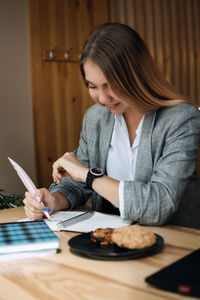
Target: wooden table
point(67, 276)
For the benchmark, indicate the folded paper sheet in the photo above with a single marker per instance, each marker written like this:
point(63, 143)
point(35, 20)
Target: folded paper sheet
point(97, 220)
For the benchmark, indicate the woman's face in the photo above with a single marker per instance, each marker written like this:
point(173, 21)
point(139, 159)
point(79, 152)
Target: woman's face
point(100, 91)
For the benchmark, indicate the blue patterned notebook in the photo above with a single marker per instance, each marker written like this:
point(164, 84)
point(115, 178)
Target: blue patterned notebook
point(26, 239)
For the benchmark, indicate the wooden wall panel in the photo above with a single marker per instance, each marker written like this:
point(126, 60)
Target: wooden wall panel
point(59, 96)
point(171, 29)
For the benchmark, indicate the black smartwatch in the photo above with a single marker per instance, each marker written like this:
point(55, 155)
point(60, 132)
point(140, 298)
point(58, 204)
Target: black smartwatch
point(92, 174)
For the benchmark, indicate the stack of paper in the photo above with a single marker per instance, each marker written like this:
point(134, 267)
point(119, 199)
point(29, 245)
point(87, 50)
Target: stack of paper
point(95, 220)
point(26, 239)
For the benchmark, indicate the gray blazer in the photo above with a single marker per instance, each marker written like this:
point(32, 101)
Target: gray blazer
point(166, 163)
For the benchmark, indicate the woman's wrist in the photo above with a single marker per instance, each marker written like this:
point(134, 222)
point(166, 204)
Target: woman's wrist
point(84, 174)
point(59, 201)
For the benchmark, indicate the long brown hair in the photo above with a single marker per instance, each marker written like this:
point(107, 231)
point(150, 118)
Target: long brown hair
point(128, 67)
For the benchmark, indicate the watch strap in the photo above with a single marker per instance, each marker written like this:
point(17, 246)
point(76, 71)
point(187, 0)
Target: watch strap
point(89, 180)
point(92, 174)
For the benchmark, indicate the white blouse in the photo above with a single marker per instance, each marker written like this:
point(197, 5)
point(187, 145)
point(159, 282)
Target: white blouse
point(121, 160)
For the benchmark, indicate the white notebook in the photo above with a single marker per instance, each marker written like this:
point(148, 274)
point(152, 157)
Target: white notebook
point(97, 220)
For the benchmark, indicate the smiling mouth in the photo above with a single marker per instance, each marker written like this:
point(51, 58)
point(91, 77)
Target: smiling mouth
point(113, 106)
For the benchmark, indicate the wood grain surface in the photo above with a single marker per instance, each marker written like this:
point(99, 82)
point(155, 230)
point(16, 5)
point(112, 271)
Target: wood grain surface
point(68, 276)
point(59, 96)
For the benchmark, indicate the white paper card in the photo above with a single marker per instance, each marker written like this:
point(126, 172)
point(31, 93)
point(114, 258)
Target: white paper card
point(98, 220)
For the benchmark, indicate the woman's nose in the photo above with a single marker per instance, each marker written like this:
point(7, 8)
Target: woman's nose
point(103, 97)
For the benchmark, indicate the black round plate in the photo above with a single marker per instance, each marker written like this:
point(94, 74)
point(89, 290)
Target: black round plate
point(82, 245)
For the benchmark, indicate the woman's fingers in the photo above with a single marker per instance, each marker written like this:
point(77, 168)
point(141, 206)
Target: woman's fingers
point(31, 202)
point(69, 165)
point(33, 208)
point(56, 176)
point(58, 173)
point(33, 214)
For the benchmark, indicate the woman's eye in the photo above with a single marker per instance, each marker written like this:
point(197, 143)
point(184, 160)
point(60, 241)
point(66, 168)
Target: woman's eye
point(91, 87)
point(106, 86)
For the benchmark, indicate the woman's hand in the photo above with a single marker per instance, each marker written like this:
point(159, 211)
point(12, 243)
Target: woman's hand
point(33, 208)
point(69, 165)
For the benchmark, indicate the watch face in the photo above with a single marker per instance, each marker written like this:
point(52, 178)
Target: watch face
point(96, 171)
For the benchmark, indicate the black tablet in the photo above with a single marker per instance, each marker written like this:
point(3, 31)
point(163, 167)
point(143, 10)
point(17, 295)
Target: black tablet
point(182, 276)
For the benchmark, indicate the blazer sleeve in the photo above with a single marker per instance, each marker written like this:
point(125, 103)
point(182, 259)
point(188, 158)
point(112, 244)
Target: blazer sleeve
point(76, 192)
point(175, 140)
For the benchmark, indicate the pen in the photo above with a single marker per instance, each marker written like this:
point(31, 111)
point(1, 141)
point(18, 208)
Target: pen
point(44, 209)
point(28, 183)
point(76, 219)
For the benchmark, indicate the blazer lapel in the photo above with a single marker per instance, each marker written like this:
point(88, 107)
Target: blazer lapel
point(105, 138)
point(144, 163)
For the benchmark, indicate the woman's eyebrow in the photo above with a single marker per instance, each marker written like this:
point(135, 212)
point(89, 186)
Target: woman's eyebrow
point(89, 82)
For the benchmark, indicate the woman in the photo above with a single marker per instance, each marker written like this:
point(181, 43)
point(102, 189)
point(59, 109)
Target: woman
point(140, 139)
